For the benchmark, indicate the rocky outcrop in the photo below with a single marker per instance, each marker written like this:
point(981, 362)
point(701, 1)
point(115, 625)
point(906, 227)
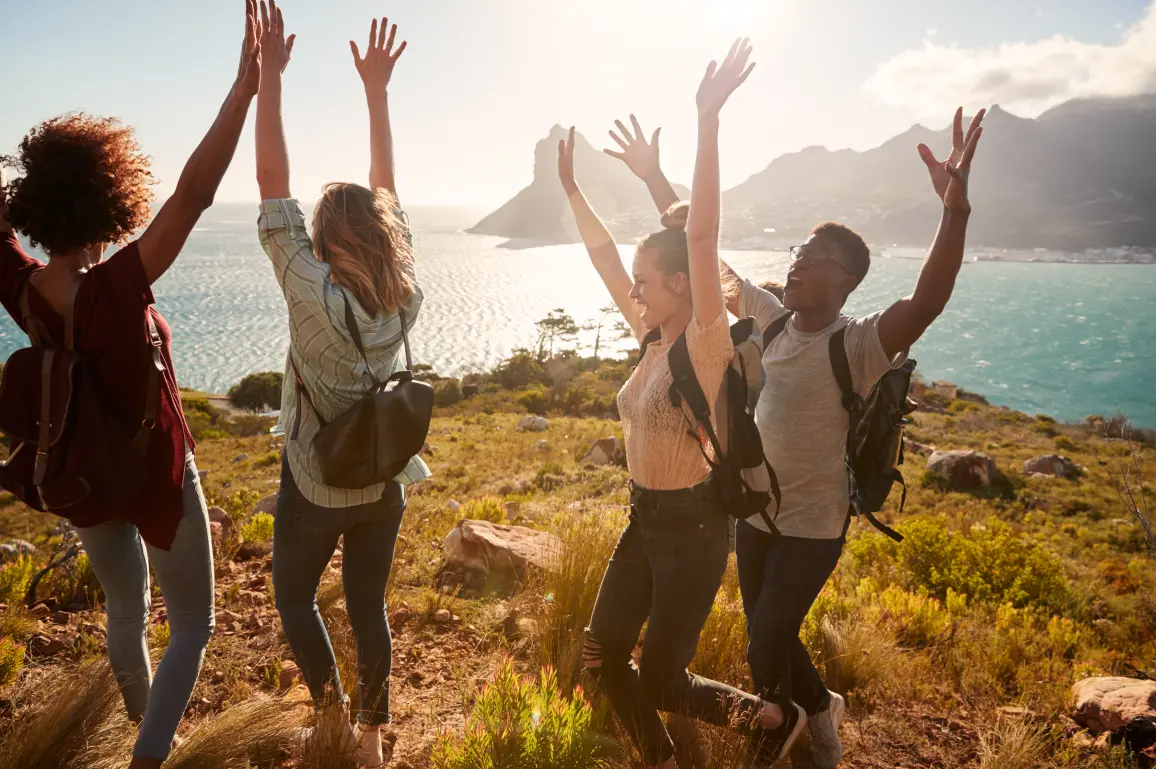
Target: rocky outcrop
point(963, 469)
point(480, 554)
point(267, 505)
point(1052, 465)
point(1110, 704)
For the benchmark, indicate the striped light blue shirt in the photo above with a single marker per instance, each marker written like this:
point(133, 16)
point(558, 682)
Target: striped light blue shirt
point(333, 371)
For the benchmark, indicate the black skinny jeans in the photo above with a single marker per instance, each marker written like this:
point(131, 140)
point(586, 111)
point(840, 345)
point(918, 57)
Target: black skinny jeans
point(666, 568)
point(780, 578)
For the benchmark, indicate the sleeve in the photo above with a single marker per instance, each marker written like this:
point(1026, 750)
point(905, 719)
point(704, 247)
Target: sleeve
point(302, 277)
point(710, 349)
point(761, 305)
point(123, 280)
point(15, 268)
point(865, 353)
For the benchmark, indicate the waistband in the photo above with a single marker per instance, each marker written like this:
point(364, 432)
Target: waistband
point(704, 493)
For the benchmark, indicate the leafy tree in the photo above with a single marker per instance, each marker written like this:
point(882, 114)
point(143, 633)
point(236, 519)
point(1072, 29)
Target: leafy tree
point(556, 327)
point(257, 392)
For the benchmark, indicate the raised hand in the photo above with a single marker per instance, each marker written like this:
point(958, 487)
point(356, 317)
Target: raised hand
point(249, 70)
point(949, 177)
point(641, 158)
point(566, 163)
point(275, 48)
point(376, 67)
point(720, 82)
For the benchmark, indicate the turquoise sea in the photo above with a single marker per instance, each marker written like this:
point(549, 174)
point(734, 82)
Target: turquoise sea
point(1062, 339)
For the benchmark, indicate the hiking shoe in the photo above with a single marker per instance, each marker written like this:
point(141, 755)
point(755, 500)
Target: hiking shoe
point(770, 746)
point(372, 750)
point(826, 749)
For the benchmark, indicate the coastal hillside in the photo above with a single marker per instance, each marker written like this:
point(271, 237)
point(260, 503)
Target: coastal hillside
point(1068, 180)
point(1025, 589)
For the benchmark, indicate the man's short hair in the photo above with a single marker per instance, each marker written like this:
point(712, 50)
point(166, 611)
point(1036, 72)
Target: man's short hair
point(851, 243)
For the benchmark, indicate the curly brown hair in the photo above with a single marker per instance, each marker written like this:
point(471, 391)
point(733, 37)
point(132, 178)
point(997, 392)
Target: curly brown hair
point(85, 182)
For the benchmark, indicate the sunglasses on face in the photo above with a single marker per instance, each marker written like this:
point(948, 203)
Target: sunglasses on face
point(812, 256)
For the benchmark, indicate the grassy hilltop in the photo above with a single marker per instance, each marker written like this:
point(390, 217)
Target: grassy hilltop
point(956, 648)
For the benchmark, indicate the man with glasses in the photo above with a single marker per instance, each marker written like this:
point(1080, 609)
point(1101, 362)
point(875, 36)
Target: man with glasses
point(803, 423)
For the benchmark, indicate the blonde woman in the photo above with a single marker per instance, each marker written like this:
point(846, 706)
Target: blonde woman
point(668, 564)
point(359, 260)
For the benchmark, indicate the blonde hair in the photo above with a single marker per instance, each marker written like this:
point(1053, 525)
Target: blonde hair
point(359, 233)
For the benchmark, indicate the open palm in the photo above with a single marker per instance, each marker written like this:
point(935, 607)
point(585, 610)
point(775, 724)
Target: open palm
point(638, 155)
point(949, 177)
point(566, 163)
point(720, 82)
point(376, 67)
point(275, 47)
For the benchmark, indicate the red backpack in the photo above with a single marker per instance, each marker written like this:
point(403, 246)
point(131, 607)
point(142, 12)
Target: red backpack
point(67, 453)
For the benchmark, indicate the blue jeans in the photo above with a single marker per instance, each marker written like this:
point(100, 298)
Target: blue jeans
point(780, 577)
point(304, 539)
point(665, 571)
point(121, 560)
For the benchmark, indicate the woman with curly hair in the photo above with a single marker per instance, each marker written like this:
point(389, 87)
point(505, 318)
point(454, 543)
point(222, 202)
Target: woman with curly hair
point(84, 186)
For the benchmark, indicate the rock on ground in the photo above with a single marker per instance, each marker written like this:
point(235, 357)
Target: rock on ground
point(532, 424)
point(963, 469)
point(1052, 464)
point(605, 452)
point(218, 515)
point(267, 505)
point(1108, 704)
point(496, 552)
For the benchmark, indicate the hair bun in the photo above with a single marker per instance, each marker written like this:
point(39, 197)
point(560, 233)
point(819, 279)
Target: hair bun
point(675, 216)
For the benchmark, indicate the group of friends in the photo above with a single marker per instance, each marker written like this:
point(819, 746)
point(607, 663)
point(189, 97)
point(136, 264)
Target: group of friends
point(85, 185)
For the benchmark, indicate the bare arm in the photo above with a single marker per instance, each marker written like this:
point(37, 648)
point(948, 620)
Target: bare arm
point(598, 240)
point(166, 235)
point(642, 160)
point(375, 70)
point(5, 225)
point(904, 322)
point(272, 150)
point(702, 225)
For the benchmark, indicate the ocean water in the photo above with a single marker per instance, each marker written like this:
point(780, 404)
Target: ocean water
point(1061, 339)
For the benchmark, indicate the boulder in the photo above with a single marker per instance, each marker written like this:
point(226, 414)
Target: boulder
point(240, 458)
point(45, 646)
point(1108, 704)
point(1052, 465)
point(218, 515)
point(915, 447)
point(442, 616)
point(963, 469)
point(267, 505)
point(288, 675)
point(469, 390)
point(532, 424)
point(251, 551)
point(14, 548)
point(604, 452)
point(496, 553)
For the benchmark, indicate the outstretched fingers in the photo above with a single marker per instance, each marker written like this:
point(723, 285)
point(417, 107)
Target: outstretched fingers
point(654, 137)
point(976, 122)
point(957, 130)
point(619, 141)
point(969, 150)
point(928, 157)
point(637, 128)
point(372, 36)
point(356, 52)
point(625, 133)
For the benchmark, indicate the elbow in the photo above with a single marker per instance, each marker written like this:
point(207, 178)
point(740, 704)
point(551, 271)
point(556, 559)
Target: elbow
point(191, 198)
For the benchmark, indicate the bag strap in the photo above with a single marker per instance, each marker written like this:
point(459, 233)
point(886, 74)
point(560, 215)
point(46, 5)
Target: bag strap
point(44, 433)
point(301, 391)
point(837, 351)
point(33, 326)
point(140, 441)
point(355, 332)
point(775, 328)
point(652, 336)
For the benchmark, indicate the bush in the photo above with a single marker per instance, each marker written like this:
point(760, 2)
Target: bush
point(486, 509)
point(447, 393)
point(518, 724)
point(536, 401)
point(11, 661)
point(519, 371)
point(1064, 443)
point(14, 579)
point(258, 529)
point(917, 620)
point(257, 392)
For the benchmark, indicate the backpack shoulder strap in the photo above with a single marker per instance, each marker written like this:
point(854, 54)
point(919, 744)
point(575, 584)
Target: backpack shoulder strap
point(355, 332)
point(686, 389)
point(837, 350)
point(153, 392)
point(652, 336)
point(33, 326)
point(775, 328)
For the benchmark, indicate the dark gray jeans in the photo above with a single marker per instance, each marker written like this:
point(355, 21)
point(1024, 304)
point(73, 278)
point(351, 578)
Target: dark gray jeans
point(666, 568)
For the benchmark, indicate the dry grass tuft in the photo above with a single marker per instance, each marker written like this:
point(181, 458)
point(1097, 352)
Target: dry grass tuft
point(254, 732)
point(857, 655)
point(329, 744)
point(74, 719)
point(1013, 744)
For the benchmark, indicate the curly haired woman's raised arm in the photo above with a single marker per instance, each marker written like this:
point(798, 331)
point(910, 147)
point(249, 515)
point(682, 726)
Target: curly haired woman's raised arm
point(165, 236)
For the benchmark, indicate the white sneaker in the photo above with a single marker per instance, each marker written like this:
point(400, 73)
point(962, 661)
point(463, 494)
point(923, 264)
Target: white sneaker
point(826, 749)
point(369, 748)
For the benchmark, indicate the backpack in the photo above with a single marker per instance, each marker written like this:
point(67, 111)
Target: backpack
point(68, 454)
point(875, 433)
point(746, 481)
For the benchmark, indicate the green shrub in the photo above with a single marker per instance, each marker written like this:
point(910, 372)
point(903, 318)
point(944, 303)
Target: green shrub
point(272, 459)
point(519, 370)
point(11, 661)
point(990, 563)
point(485, 509)
point(1064, 443)
point(258, 529)
point(14, 579)
point(536, 401)
point(519, 724)
point(918, 620)
point(257, 392)
point(447, 393)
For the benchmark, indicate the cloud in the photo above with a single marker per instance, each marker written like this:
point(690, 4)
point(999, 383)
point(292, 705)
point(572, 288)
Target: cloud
point(1026, 78)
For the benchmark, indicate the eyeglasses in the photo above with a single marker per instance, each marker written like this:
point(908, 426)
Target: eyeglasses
point(809, 255)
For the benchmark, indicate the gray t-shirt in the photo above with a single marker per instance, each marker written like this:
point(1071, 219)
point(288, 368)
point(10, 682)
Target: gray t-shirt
point(800, 414)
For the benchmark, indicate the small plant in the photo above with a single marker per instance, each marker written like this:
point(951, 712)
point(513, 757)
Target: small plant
point(447, 393)
point(535, 401)
point(272, 459)
point(14, 579)
point(485, 509)
point(258, 529)
point(1064, 443)
point(161, 633)
point(11, 661)
point(1014, 744)
point(522, 724)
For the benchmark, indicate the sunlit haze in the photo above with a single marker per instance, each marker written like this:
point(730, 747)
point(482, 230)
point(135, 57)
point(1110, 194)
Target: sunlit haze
point(482, 82)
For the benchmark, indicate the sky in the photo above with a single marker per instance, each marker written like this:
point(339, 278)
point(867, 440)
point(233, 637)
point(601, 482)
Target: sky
point(483, 80)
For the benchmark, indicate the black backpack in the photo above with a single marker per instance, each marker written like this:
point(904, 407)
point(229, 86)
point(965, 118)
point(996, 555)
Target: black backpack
point(732, 469)
point(875, 434)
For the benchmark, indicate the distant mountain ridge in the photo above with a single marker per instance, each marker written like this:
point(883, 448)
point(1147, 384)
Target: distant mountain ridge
point(1071, 179)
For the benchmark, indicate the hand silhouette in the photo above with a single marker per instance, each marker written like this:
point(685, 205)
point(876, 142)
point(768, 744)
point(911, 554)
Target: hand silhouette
point(720, 82)
point(639, 156)
point(376, 68)
point(949, 177)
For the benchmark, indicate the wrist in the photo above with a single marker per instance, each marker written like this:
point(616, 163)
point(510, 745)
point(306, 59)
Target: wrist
point(376, 94)
point(957, 211)
point(708, 120)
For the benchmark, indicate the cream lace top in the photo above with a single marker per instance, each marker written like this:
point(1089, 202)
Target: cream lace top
point(660, 451)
